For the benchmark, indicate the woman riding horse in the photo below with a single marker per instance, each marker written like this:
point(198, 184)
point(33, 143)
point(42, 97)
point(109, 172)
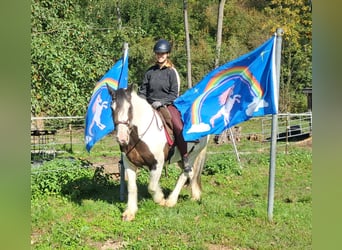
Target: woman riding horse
point(160, 87)
point(143, 143)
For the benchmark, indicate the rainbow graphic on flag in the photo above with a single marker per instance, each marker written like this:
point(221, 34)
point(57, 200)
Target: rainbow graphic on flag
point(221, 78)
point(110, 81)
point(230, 94)
point(99, 121)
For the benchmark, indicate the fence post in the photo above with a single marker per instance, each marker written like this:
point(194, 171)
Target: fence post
point(70, 134)
point(270, 204)
point(287, 133)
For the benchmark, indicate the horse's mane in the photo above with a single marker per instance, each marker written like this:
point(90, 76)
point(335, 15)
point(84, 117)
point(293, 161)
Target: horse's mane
point(140, 105)
point(139, 101)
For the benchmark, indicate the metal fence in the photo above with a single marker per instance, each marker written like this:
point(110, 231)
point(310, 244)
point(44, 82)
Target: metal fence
point(51, 136)
point(291, 127)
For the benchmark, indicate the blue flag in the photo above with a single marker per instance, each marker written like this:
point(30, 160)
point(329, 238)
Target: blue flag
point(232, 93)
point(99, 121)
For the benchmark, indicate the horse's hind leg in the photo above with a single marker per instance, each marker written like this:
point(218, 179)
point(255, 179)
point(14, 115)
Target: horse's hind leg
point(154, 188)
point(195, 180)
point(173, 197)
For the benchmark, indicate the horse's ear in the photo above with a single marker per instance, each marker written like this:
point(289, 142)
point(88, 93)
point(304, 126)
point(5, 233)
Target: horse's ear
point(110, 90)
point(132, 87)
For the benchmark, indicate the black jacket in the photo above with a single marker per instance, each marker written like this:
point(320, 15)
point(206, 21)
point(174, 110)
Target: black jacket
point(160, 85)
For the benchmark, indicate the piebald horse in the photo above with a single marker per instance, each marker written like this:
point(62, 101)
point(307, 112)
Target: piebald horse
point(143, 143)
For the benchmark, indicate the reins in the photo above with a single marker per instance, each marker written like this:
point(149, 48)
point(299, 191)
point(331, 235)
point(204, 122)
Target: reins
point(142, 135)
point(154, 116)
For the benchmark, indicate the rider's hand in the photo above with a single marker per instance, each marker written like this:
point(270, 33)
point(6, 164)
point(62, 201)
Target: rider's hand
point(157, 104)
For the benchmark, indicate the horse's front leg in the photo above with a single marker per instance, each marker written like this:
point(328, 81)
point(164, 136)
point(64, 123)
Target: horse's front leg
point(132, 206)
point(154, 187)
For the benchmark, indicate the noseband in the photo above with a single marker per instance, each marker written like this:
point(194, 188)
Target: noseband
point(123, 123)
point(120, 97)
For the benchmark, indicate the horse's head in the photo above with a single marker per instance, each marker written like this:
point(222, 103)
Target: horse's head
point(122, 113)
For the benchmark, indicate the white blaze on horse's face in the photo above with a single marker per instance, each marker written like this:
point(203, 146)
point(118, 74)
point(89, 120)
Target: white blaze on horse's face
point(123, 128)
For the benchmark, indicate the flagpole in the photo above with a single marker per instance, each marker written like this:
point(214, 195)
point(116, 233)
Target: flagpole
point(125, 51)
point(271, 181)
point(120, 163)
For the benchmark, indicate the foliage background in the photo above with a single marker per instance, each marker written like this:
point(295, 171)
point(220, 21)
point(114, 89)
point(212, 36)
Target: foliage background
point(73, 43)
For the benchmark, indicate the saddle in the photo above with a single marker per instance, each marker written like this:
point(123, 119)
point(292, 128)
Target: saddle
point(166, 119)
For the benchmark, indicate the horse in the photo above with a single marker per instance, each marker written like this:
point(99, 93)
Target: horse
point(140, 132)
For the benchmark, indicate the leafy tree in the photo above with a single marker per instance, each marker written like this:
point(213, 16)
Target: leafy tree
point(73, 43)
point(68, 56)
point(296, 66)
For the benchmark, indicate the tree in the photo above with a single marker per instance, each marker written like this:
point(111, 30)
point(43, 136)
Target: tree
point(187, 39)
point(295, 18)
point(68, 57)
point(73, 44)
point(219, 31)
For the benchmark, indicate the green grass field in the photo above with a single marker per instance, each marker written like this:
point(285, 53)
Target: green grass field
point(75, 207)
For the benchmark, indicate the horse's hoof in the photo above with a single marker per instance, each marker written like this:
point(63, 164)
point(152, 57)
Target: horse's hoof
point(196, 196)
point(169, 203)
point(196, 199)
point(127, 217)
point(162, 202)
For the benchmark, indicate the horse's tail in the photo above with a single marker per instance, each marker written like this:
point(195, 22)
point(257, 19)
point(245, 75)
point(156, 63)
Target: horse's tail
point(200, 162)
point(196, 183)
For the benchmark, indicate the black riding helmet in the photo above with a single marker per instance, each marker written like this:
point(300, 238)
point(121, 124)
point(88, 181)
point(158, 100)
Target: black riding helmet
point(162, 46)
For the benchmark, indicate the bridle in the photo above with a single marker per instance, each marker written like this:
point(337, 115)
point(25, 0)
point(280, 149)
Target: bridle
point(128, 124)
point(123, 123)
point(148, 127)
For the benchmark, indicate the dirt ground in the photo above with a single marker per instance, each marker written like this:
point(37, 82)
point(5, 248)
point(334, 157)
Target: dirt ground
point(307, 143)
point(111, 164)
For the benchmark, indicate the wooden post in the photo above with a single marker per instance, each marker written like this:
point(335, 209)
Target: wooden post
point(70, 134)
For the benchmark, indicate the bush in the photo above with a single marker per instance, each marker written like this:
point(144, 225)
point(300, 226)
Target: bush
point(53, 176)
point(221, 164)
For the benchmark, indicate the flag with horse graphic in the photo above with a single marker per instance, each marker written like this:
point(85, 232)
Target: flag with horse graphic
point(99, 121)
point(230, 94)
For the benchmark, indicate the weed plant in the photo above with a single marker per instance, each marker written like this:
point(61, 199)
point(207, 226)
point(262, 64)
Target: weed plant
point(75, 206)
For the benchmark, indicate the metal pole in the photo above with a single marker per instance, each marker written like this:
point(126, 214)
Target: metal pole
point(125, 47)
point(122, 180)
point(123, 187)
point(235, 148)
point(287, 130)
point(280, 33)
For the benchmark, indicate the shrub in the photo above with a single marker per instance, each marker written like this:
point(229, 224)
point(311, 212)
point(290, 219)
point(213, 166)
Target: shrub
point(51, 177)
point(221, 164)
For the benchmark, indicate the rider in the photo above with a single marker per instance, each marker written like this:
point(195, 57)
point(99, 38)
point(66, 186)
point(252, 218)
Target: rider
point(160, 87)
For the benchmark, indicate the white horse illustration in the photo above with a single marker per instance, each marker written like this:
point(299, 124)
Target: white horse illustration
point(97, 110)
point(228, 99)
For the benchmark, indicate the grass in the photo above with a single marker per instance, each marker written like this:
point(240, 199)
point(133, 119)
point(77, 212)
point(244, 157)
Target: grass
point(232, 214)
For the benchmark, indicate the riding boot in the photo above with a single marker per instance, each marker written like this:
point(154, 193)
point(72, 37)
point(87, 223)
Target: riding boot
point(187, 167)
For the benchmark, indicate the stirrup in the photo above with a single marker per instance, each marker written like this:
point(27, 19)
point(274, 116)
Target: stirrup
point(187, 167)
